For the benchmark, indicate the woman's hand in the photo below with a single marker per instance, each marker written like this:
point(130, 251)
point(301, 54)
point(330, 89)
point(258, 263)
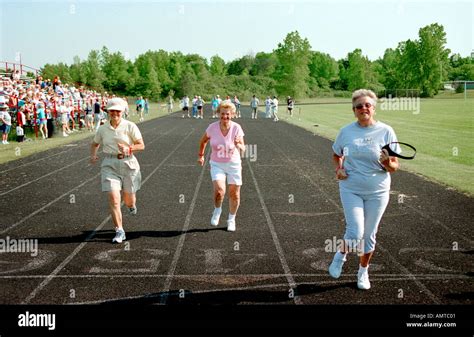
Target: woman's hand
point(391, 164)
point(94, 159)
point(341, 173)
point(384, 157)
point(124, 149)
point(239, 143)
point(201, 160)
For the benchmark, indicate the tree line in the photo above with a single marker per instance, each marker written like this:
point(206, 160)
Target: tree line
point(291, 69)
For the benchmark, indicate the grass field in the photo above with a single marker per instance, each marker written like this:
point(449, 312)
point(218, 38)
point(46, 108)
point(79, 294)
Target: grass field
point(442, 132)
point(15, 150)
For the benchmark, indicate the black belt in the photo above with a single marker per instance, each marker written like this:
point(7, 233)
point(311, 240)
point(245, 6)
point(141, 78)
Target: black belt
point(118, 156)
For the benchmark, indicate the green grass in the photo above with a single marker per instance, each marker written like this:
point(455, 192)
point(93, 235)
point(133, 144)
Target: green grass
point(15, 150)
point(442, 132)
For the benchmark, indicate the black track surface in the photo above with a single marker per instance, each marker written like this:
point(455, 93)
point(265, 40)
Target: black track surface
point(289, 209)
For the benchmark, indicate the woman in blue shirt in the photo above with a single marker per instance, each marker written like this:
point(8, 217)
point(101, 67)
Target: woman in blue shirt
point(363, 170)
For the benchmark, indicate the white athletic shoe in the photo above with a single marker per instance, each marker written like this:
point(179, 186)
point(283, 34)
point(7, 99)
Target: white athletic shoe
point(335, 268)
point(231, 225)
point(132, 210)
point(119, 236)
point(363, 279)
point(215, 217)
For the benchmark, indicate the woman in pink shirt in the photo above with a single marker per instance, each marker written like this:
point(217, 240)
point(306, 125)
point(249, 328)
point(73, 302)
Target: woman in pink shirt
point(227, 142)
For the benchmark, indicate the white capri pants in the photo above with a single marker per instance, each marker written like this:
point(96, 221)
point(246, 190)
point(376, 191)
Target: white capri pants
point(363, 214)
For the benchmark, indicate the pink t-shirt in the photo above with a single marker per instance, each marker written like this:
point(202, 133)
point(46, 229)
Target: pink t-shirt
point(223, 148)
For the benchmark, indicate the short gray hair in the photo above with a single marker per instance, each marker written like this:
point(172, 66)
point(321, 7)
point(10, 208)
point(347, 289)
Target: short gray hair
point(364, 93)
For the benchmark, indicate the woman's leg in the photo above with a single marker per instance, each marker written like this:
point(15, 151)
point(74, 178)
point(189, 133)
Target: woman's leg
point(374, 208)
point(354, 215)
point(129, 199)
point(114, 207)
point(234, 198)
point(219, 192)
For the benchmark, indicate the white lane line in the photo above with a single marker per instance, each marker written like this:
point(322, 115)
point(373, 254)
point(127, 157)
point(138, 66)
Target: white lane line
point(67, 193)
point(394, 261)
point(37, 160)
point(179, 248)
point(191, 292)
point(44, 176)
point(350, 277)
point(47, 205)
point(50, 277)
point(410, 275)
point(56, 154)
point(279, 249)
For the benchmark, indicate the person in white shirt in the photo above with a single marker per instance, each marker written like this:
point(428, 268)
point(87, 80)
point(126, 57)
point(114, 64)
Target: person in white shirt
point(120, 170)
point(254, 105)
point(275, 109)
point(268, 107)
point(5, 122)
point(185, 105)
point(363, 169)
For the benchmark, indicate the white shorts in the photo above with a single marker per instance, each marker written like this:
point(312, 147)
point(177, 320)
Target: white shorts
point(230, 170)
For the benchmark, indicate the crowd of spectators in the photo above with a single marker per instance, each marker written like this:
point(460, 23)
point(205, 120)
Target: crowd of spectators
point(45, 105)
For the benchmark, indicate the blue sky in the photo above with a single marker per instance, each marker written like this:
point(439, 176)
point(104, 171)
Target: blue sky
point(56, 31)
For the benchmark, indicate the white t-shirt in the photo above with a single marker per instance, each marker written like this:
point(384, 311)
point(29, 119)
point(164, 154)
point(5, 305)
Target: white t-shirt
point(361, 148)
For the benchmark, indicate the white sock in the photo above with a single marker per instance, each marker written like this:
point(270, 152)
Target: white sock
point(217, 210)
point(363, 269)
point(231, 216)
point(341, 256)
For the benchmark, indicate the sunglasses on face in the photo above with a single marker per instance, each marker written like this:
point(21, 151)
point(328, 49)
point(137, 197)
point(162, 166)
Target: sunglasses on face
point(365, 105)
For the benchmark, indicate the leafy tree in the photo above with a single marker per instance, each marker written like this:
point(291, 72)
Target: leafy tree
point(217, 67)
point(323, 69)
point(241, 65)
point(292, 72)
point(264, 64)
point(78, 71)
point(93, 72)
point(49, 71)
point(115, 69)
point(432, 58)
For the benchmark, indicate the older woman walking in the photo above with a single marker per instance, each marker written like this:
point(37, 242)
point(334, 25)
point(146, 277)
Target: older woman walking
point(227, 141)
point(120, 170)
point(363, 170)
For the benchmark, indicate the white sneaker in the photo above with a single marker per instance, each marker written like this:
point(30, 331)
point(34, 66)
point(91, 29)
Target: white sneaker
point(335, 268)
point(363, 280)
point(3, 142)
point(231, 225)
point(119, 236)
point(132, 210)
point(215, 217)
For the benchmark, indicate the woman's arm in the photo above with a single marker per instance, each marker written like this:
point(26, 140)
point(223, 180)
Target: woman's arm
point(338, 162)
point(94, 149)
point(202, 148)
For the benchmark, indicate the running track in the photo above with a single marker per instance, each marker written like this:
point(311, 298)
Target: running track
point(289, 208)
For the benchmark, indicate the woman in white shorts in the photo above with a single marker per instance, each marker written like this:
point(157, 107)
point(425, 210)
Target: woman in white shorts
point(227, 141)
point(120, 170)
point(363, 170)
